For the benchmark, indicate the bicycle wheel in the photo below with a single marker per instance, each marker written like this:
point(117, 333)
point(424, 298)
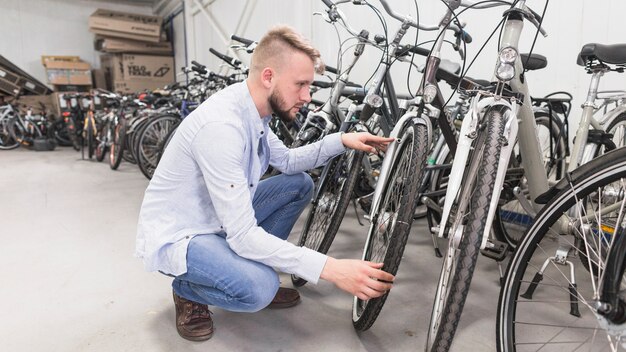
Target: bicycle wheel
point(102, 144)
point(511, 220)
point(548, 300)
point(329, 205)
point(462, 253)
point(91, 138)
point(391, 222)
point(151, 140)
point(7, 140)
point(117, 145)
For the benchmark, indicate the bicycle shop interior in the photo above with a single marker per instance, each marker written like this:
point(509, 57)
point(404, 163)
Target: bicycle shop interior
point(92, 91)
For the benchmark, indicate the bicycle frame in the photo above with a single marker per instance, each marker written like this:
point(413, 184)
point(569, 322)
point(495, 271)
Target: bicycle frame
point(520, 123)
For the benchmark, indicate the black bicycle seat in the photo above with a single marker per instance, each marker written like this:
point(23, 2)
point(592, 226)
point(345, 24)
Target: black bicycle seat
point(610, 54)
point(535, 62)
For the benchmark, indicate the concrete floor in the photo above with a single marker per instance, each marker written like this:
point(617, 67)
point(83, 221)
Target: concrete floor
point(71, 283)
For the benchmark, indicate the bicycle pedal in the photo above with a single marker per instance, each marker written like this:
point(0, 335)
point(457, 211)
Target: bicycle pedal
point(495, 250)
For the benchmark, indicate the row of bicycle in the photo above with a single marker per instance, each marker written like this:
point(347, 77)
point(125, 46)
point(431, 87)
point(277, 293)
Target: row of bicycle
point(491, 171)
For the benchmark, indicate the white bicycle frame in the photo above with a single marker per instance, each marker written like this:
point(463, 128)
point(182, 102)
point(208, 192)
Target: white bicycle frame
point(519, 120)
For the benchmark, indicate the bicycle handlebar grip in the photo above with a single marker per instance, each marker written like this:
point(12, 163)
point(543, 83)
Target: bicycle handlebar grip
point(419, 50)
point(245, 41)
point(321, 84)
point(195, 63)
point(201, 70)
point(228, 59)
point(331, 69)
point(328, 3)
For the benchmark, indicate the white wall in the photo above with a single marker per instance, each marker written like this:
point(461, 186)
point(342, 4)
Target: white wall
point(570, 24)
point(31, 28)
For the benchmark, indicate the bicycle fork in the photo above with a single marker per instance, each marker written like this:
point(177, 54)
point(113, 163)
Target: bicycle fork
point(455, 194)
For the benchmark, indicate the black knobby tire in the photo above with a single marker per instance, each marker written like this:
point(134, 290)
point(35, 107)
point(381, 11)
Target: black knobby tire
point(329, 206)
point(391, 224)
point(61, 133)
point(536, 309)
point(459, 263)
point(511, 221)
point(117, 146)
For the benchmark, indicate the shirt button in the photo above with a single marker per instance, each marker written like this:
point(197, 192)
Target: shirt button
point(187, 237)
point(262, 132)
point(221, 227)
point(231, 186)
point(251, 185)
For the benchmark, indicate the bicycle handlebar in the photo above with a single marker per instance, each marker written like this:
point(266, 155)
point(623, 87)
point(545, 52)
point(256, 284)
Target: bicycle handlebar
point(245, 41)
point(229, 60)
point(328, 3)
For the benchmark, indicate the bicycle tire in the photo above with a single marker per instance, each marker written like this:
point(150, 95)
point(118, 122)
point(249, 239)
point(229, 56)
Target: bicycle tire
point(534, 292)
point(117, 147)
point(459, 262)
point(91, 138)
point(511, 221)
point(329, 205)
point(7, 135)
point(150, 141)
point(388, 232)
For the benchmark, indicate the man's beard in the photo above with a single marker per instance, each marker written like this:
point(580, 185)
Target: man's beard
point(276, 101)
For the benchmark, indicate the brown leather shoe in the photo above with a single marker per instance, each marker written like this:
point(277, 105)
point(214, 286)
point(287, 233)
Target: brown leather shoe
point(193, 320)
point(285, 298)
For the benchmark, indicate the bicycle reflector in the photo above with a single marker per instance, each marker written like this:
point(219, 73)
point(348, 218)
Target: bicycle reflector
point(505, 69)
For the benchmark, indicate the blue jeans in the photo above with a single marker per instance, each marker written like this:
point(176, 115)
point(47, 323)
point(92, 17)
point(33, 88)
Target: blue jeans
point(217, 276)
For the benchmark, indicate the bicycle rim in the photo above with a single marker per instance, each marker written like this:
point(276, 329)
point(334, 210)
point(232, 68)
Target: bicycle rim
point(548, 300)
point(392, 221)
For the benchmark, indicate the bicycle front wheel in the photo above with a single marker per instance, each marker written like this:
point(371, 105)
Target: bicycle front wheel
point(549, 299)
point(329, 205)
point(462, 253)
point(391, 223)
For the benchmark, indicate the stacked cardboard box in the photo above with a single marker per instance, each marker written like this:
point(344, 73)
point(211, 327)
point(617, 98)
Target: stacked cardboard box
point(130, 73)
point(14, 81)
point(67, 73)
point(138, 57)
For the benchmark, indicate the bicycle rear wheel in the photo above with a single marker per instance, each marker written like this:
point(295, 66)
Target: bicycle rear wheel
point(391, 224)
point(329, 205)
point(464, 242)
point(548, 300)
point(117, 146)
point(151, 140)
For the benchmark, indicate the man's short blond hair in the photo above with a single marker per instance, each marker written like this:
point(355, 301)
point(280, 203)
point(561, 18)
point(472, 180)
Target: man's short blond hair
point(274, 44)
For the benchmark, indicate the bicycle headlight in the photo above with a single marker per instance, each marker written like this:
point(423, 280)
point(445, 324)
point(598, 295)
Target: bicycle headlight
point(505, 69)
point(507, 55)
point(374, 100)
point(505, 72)
point(430, 93)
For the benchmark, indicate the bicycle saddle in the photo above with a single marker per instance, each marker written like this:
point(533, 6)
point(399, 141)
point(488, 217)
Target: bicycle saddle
point(535, 62)
point(610, 54)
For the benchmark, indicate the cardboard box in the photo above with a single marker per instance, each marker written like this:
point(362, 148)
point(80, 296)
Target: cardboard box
point(9, 83)
point(126, 23)
point(130, 67)
point(119, 45)
point(28, 83)
point(65, 77)
point(113, 34)
point(135, 86)
point(99, 80)
point(64, 62)
point(39, 104)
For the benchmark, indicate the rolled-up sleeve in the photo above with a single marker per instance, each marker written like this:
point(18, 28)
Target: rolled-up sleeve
point(310, 156)
point(219, 150)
